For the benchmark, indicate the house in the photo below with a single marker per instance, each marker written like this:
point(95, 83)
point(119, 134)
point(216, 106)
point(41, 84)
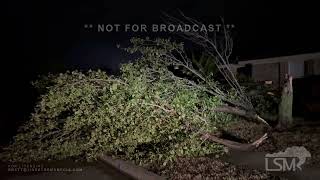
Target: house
point(305, 70)
point(272, 70)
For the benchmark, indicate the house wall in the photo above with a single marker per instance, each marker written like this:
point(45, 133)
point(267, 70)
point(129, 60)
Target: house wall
point(267, 72)
point(284, 68)
point(317, 67)
point(274, 69)
point(276, 72)
point(296, 69)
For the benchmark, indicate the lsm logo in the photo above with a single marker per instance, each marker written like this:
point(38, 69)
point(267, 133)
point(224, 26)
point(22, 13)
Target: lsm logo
point(289, 160)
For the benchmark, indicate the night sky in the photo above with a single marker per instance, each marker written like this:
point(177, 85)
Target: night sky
point(42, 37)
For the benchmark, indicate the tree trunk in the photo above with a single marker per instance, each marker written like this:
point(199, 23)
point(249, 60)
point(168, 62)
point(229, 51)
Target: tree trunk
point(285, 107)
point(240, 112)
point(228, 143)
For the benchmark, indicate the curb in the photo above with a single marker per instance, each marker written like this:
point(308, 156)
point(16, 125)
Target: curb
point(130, 169)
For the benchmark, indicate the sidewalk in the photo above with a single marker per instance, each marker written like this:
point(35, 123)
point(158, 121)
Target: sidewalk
point(96, 171)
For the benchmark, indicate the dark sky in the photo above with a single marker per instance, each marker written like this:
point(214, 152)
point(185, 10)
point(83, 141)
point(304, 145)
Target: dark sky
point(53, 32)
point(49, 36)
point(269, 28)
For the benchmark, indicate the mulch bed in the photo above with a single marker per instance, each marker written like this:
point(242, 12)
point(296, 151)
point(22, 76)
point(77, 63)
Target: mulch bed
point(214, 169)
point(211, 168)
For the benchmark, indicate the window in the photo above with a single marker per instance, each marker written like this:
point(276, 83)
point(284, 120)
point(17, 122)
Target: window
point(245, 71)
point(296, 69)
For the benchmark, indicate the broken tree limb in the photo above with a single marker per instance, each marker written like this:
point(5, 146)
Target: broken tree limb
point(234, 145)
point(228, 143)
point(240, 112)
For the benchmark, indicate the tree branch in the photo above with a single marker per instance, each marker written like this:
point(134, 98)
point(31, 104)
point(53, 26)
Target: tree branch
point(240, 112)
point(234, 145)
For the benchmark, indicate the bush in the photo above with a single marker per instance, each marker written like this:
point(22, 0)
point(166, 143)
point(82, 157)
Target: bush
point(142, 115)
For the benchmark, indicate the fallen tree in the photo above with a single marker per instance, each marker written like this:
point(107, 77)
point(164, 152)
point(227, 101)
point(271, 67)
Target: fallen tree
point(144, 115)
point(140, 115)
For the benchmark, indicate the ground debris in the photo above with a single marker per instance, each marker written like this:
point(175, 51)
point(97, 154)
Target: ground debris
point(211, 168)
